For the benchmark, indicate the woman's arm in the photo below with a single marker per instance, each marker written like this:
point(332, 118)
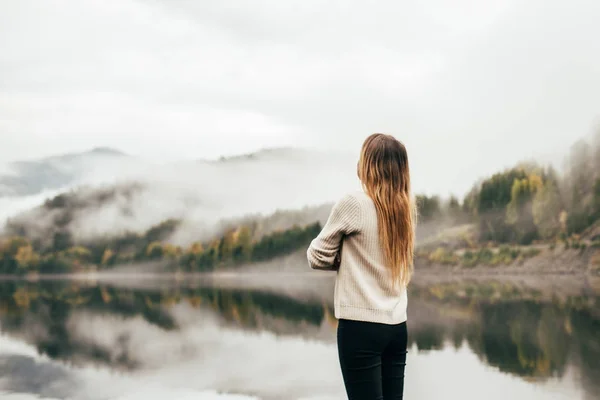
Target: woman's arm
point(325, 248)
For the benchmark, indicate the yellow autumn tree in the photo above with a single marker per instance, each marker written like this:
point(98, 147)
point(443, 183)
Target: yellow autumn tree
point(227, 245)
point(155, 251)
point(26, 258)
point(243, 250)
point(79, 253)
point(519, 212)
point(196, 248)
point(547, 208)
point(107, 257)
point(170, 251)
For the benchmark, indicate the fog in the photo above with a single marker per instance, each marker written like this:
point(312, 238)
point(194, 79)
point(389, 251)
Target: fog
point(201, 193)
point(279, 187)
point(11, 206)
point(99, 165)
point(463, 83)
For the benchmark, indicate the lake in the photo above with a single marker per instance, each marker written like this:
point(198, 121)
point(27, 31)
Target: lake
point(273, 337)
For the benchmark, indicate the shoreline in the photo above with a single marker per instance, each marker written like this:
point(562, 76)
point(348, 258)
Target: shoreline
point(318, 286)
point(429, 272)
point(548, 263)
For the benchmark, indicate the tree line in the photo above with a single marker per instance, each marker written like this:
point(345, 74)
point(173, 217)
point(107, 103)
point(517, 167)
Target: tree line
point(529, 201)
point(18, 255)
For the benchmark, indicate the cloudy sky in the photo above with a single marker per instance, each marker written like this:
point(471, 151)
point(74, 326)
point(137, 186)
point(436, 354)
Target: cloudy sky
point(469, 85)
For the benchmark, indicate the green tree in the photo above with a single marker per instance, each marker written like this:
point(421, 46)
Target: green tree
point(491, 202)
point(454, 210)
point(243, 249)
point(155, 251)
point(596, 154)
point(470, 202)
point(162, 231)
point(210, 257)
point(227, 245)
point(189, 260)
point(547, 208)
point(53, 264)
point(580, 176)
point(62, 240)
point(429, 207)
point(519, 213)
point(596, 202)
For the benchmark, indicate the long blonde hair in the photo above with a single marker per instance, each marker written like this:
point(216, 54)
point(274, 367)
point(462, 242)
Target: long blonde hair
point(385, 176)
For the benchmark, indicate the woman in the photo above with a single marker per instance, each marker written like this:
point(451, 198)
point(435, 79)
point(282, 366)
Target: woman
point(377, 230)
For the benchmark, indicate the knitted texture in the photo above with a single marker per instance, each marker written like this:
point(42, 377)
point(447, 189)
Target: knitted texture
point(364, 290)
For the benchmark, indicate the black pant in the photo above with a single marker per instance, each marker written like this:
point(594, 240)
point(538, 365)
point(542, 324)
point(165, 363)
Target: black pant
point(372, 357)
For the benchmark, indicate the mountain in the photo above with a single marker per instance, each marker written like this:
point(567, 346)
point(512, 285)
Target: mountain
point(107, 192)
point(107, 165)
point(25, 178)
point(271, 153)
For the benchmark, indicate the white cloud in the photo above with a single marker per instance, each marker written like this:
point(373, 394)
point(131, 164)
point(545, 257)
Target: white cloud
point(200, 193)
point(10, 206)
point(471, 86)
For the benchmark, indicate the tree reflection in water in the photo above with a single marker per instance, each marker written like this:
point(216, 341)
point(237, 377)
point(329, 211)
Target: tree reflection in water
point(517, 330)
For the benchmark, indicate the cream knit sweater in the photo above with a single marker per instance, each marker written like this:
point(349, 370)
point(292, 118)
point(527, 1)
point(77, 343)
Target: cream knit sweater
point(363, 286)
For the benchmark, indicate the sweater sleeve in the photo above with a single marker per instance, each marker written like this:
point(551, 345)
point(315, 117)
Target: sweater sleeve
point(343, 220)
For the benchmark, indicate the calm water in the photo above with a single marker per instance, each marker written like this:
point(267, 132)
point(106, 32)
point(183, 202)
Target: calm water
point(259, 339)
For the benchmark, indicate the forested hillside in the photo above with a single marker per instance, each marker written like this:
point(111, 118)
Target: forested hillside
point(526, 204)
point(530, 201)
point(19, 255)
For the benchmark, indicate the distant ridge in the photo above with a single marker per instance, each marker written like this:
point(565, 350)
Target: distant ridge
point(107, 151)
point(102, 163)
point(28, 177)
point(264, 153)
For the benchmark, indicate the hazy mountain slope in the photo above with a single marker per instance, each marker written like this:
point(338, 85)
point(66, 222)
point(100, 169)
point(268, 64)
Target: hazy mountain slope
point(201, 193)
point(24, 178)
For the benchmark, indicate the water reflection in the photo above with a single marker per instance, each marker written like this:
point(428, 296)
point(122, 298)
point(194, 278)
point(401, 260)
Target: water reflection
point(520, 331)
point(274, 343)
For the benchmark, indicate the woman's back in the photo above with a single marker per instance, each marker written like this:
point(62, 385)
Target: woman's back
point(364, 288)
point(369, 240)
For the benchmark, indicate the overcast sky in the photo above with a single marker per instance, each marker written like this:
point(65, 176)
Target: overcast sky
point(469, 85)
